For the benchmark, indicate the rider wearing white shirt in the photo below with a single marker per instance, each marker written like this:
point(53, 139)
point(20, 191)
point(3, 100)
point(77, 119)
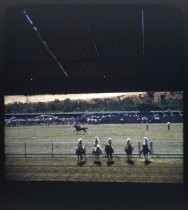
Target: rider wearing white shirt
point(145, 142)
point(97, 142)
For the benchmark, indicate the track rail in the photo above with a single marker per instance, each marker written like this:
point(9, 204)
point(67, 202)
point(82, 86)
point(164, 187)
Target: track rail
point(33, 155)
point(63, 149)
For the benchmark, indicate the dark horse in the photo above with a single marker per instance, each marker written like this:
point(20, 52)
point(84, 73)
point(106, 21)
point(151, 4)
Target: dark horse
point(145, 150)
point(81, 152)
point(79, 128)
point(109, 151)
point(97, 151)
point(128, 150)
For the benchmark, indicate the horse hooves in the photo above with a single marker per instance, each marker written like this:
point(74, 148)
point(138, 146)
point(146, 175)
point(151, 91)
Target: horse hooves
point(97, 163)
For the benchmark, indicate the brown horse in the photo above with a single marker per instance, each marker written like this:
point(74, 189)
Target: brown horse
point(96, 152)
point(79, 128)
point(128, 149)
point(81, 152)
point(145, 150)
point(109, 151)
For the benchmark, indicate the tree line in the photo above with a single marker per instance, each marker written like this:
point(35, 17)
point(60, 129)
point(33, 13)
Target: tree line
point(141, 103)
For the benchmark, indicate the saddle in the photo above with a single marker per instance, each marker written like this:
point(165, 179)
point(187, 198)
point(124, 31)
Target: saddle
point(109, 149)
point(145, 149)
point(128, 148)
point(80, 149)
point(97, 149)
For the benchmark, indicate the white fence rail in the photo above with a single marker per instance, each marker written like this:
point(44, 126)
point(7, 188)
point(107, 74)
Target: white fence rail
point(58, 149)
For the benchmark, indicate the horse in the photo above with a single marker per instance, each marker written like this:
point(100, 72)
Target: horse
point(145, 150)
point(109, 151)
point(80, 128)
point(96, 152)
point(128, 149)
point(81, 152)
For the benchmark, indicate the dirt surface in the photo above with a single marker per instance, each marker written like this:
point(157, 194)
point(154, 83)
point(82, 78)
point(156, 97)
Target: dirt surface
point(157, 170)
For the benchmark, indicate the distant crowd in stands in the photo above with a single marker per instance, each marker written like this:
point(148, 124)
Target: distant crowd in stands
point(94, 118)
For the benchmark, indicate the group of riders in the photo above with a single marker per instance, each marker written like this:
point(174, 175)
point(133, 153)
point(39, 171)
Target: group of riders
point(109, 150)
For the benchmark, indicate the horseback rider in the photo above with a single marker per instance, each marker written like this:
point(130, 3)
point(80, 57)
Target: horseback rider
point(80, 151)
point(145, 145)
point(79, 125)
point(128, 145)
point(80, 146)
point(110, 144)
point(145, 141)
point(79, 142)
point(96, 144)
point(128, 149)
point(109, 149)
point(96, 141)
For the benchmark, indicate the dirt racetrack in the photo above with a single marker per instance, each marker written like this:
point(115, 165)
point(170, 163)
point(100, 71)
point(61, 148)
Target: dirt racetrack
point(158, 170)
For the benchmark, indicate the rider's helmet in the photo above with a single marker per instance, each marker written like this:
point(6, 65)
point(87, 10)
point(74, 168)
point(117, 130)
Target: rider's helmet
point(96, 140)
point(79, 141)
point(145, 141)
point(109, 141)
point(128, 140)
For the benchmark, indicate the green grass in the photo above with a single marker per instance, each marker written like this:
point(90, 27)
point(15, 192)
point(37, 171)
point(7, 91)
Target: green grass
point(39, 139)
point(117, 132)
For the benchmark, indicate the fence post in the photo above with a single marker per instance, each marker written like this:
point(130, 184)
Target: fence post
point(25, 150)
point(52, 149)
point(139, 149)
point(151, 147)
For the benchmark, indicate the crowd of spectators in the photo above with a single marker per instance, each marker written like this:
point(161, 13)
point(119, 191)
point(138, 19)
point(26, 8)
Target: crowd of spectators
point(96, 118)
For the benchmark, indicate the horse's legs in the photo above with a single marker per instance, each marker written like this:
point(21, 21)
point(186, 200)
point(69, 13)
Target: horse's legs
point(146, 157)
point(95, 157)
point(127, 157)
point(108, 158)
point(78, 159)
point(84, 157)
